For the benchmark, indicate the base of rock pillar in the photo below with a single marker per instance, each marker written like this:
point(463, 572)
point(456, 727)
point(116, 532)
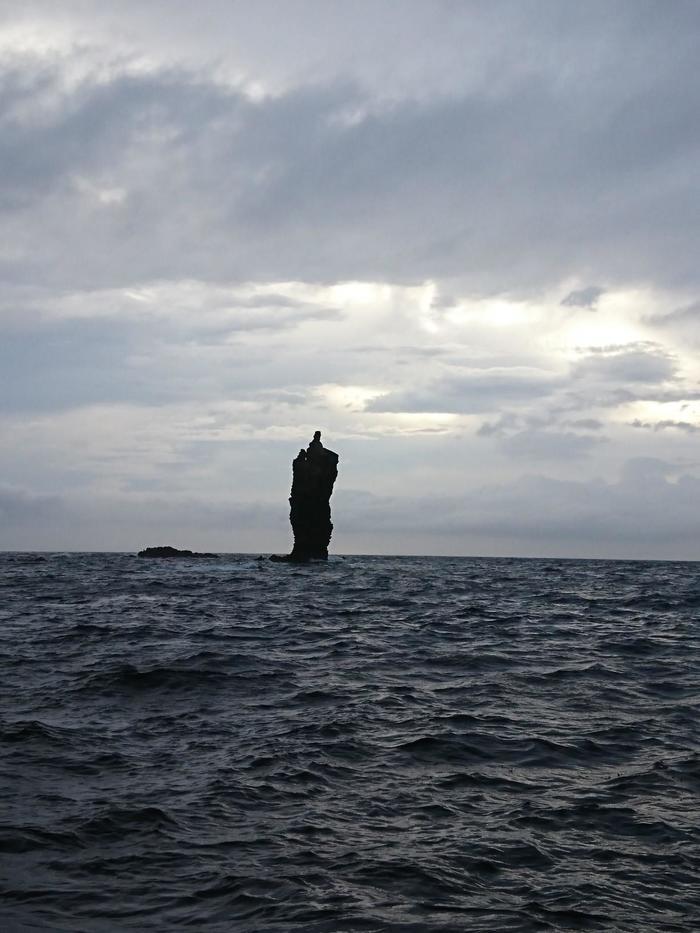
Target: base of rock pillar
point(298, 558)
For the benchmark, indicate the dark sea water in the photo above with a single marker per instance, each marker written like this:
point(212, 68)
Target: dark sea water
point(370, 744)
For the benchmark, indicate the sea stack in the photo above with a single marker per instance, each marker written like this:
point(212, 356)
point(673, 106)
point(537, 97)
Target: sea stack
point(313, 474)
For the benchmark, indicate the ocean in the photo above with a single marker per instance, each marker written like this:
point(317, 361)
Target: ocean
point(370, 744)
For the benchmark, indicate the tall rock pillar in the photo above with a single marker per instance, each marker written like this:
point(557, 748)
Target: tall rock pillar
point(314, 471)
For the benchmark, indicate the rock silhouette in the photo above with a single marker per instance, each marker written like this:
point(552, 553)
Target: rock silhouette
point(167, 551)
point(314, 472)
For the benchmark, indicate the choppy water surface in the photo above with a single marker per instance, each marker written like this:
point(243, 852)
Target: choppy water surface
point(373, 744)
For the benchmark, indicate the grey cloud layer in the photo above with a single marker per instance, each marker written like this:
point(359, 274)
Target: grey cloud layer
point(64, 350)
point(472, 392)
point(650, 510)
point(506, 186)
point(602, 377)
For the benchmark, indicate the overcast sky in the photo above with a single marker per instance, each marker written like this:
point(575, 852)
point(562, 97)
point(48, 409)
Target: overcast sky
point(459, 237)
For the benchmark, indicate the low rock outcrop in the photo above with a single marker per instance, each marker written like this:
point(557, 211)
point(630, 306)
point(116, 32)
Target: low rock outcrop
point(168, 551)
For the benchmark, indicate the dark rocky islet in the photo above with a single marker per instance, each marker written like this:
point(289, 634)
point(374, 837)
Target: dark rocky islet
point(171, 552)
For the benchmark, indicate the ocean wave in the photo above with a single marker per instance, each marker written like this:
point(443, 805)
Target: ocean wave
point(372, 745)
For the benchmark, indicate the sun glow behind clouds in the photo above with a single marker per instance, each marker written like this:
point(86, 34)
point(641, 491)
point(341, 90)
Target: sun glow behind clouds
point(347, 397)
point(684, 412)
point(491, 312)
point(616, 321)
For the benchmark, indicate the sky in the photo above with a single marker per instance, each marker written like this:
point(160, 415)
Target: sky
point(460, 238)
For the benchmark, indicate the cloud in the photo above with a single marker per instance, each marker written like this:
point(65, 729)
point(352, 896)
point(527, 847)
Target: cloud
point(504, 425)
point(626, 365)
point(603, 376)
point(687, 426)
point(131, 522)
point(20, 506)
point(684, 319)
point(543, 437)
point(84, 348)
point(537, 445)
point(588, 424)
point(167, 172)
point(540, 515)
point(584, 297)
point(471, 392)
